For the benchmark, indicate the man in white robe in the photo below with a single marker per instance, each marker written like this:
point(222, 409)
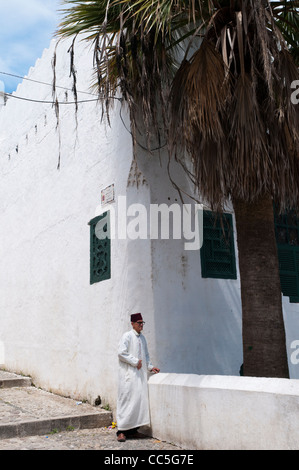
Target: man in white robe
point(134, 363)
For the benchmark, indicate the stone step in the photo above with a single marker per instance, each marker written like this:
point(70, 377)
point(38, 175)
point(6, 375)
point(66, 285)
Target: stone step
point(28, 411)
point(9, 380)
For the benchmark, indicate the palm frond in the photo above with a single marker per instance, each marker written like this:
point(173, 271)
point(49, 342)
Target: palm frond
point(227, 104)
point(286, 15)
point(258, 119)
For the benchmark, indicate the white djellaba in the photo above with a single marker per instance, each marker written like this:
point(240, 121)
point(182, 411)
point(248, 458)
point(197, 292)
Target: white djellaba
point(133, 402)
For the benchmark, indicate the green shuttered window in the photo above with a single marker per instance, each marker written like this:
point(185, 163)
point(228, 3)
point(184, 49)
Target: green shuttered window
point(287, 237)
point(218, 252)
point(100, 248)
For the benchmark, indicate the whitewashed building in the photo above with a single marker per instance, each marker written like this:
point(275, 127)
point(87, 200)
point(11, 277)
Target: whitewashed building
point(66, 297)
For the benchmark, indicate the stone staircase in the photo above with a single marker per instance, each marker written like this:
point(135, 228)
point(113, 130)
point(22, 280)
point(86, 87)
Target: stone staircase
point(27, 411)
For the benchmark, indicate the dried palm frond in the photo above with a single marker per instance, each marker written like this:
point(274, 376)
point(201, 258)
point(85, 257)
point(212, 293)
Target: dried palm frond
point(130, 52)
point(228, 105)
point(234, 115)
point(199, 97)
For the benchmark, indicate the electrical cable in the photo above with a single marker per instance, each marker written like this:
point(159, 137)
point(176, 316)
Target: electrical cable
point(44, 83)
point(50, 102)
point(51, 85)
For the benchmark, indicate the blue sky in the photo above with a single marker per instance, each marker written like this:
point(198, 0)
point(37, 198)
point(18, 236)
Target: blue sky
point(26, 29)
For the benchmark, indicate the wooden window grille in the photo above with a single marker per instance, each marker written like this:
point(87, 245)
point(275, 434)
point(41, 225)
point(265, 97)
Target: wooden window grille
point(218, 251)
point(100, 248)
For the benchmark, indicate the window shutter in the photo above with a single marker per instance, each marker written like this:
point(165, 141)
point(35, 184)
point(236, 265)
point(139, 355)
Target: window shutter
point(287, 237)
point(218, 253)
point(100, 248)
point(288, 271)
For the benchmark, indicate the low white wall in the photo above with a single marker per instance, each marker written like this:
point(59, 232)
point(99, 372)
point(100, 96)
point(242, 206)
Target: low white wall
point(225, 412)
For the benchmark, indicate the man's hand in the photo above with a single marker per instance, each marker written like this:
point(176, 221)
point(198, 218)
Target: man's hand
point(139, 365)
point(155, 370)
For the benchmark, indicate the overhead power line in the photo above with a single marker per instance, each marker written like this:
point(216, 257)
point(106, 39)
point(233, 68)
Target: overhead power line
point(53, 102)
point(44, 83)
point(10, 95)
point(50, 102)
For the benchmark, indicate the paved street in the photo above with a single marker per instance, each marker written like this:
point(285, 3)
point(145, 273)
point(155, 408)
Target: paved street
point(33, 419)
point(84, 439)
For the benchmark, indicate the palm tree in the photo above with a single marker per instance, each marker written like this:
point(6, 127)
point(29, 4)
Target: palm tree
point(225, 68)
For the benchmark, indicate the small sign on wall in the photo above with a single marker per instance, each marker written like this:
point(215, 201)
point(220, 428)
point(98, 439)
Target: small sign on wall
point(108, 195)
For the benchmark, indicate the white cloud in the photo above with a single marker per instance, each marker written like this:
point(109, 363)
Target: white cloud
point(26, 28)
point(17, 16)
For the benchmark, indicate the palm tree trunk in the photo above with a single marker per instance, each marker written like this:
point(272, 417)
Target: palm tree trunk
point(264, 341)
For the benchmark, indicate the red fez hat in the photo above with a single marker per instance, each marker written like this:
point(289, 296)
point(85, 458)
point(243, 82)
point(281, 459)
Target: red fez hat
point(135, 317)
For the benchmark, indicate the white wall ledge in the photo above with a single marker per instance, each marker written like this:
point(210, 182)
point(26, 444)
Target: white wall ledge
point(225, 412)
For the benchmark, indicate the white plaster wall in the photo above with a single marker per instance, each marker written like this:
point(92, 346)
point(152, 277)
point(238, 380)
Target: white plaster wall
point(225, 413)
point(197, 321)
point(291, 320)
point(2, 89)
point(55, 326)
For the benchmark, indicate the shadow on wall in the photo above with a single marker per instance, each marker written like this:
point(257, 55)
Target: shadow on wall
point(196, 323)
point(198, 328)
